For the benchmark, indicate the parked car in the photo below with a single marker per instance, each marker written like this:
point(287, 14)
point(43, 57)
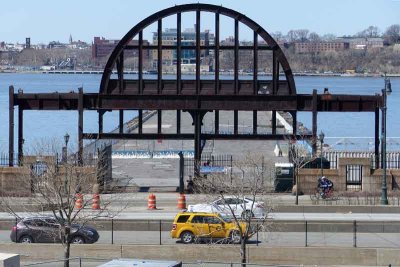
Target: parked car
point(240, 207)
point(191, 226)
point(46, 229)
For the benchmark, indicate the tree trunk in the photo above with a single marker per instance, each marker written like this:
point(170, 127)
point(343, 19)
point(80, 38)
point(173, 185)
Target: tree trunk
point(243, 251)
point(67, 247)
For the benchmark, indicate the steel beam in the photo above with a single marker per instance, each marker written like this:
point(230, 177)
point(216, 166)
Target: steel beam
point(191, 136)
point(299, 102)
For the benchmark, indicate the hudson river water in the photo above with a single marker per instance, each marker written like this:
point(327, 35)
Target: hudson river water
point(340, 128)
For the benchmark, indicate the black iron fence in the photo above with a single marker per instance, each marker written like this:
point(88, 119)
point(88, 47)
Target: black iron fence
point(4, 159)
point(209, 163)
point(332, 157)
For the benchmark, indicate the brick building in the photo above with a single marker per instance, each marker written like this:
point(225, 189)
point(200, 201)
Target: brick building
point(318, 47)
point(102, 48)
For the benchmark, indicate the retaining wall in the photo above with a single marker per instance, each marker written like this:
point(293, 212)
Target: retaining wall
point(227, 253)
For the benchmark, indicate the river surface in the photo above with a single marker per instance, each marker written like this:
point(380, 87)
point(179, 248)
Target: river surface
point(341, 129)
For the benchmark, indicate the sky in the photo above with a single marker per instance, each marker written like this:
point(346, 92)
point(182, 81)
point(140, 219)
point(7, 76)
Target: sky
point(48, 20)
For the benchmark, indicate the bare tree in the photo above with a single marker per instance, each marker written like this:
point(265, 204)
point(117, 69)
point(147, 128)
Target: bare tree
point(314, 37)
point(370, 32)
point(302, 34)
point(299, 155)
point(392, 34)
point(56, 188)
point(246, 185)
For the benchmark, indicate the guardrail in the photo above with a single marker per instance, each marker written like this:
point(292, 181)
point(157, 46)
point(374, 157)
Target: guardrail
point(364, 234)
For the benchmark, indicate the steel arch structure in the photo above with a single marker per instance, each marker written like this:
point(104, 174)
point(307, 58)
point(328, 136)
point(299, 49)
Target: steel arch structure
point(196, 96)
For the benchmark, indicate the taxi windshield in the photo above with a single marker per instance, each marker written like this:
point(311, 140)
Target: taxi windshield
point(225, 218)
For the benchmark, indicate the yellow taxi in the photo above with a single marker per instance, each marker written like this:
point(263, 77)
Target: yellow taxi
point(191, 226)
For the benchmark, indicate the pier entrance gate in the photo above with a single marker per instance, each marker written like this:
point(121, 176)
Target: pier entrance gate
point(197, 95)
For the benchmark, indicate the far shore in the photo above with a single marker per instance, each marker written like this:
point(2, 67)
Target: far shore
point(228, 73)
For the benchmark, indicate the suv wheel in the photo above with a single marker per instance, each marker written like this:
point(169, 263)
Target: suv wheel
point(187, 237)
point(235, 237)
point(77, 240)
point(26, 239)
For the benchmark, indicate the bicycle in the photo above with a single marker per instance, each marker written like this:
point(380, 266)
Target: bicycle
point(324, 195)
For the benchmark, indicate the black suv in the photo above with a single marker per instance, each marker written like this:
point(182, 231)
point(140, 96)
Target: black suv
point(43, 229)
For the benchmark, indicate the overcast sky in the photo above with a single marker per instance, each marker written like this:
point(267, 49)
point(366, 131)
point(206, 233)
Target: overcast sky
point(49, 20)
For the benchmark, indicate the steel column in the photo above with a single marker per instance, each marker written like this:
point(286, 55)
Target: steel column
point(197, 142)
point(254, 121)
point(235, 121)
point(120, 71)
point(101, 113)
point(273, 121)
point(178, 53)
point(20, 135)
point(377, 166)
point(314, 121)
point(216, 122)
point(80, 127)
point(140, 67)
point(236, 58)
point(216, 52)
point(255, 62)
point(121, 121)
point(198, 51)
point(140, 121)
point(178, 121)
point(159, 57)
point(159, 121)
point(11, 127)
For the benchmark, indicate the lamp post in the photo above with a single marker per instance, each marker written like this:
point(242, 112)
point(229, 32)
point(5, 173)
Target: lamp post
point(66, 139)
point(321, 140)
point(385, 91)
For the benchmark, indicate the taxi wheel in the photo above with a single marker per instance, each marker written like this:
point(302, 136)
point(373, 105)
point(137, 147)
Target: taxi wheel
point(187, 237)
point(235, 237)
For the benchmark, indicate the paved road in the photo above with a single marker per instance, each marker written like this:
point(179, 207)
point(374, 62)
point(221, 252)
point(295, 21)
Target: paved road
point(275, 239)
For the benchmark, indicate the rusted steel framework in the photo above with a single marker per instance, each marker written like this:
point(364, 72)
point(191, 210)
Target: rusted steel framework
point(196, 96)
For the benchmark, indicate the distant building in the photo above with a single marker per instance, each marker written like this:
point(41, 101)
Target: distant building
point(318, 47)
point(102, 48)
point(56, 44)
point(28, 43)
point(188, 38)
point(363, 43)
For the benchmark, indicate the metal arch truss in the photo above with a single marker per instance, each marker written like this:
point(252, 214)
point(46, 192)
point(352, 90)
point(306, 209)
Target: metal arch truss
point(197, 96)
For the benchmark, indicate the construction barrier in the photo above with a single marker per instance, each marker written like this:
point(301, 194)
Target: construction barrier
point(78, 201)
point(181, 202)
point(151, 204)
point(96, 202)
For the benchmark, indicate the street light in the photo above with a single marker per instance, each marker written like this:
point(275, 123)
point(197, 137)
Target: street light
point(66, 139)
point(385, 91)
point(321, 139)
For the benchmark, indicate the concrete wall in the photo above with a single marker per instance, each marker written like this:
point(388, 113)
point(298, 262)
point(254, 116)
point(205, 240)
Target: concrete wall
point(371, 179)
point(15, 181)
point(227, 253)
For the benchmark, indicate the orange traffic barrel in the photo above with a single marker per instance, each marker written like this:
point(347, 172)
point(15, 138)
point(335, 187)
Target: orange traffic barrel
point(96, 202)
point(181, 202)
point(78, 201)
point(151, 203)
